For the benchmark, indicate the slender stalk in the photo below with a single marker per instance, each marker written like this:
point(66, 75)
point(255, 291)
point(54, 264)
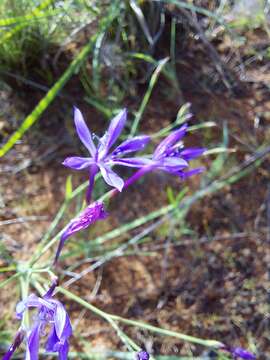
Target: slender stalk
point(55, 222)
point(24, 282)
point(147, 95)
point(135, 177)
point(208, 343)
point(8, 280)
point(38, 255)
point(7, 268)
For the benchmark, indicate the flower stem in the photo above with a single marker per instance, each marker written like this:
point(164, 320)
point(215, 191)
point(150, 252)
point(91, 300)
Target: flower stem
point(208, 343)
point(135, 177)
point(24, 282)
point(92, 174)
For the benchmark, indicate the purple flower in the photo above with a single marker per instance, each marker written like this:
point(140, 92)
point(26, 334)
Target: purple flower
point(50, 314)
point(142, 355)
point(241, 353)
point(100, 159)
point(88, 216)
point(170, 156)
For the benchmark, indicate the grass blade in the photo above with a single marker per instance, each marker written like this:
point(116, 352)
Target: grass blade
point(18, 20)
point(147, 95)
point(52, 93)
point(46, 100)
point(36, 12)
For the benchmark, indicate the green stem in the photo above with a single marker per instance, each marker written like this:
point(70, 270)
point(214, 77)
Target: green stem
point(40, 250)
point(8, 280)
point(140, 324)
point(130, 344)
point(147, 96)
point(55, 222)
point(37, 256)
point(24, 282)
point(7, 268)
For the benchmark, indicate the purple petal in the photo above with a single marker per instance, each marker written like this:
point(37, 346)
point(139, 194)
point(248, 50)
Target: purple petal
point(77, 163)
point(38, 302)
point(83, 132)
point(9, 353)
point(31, 301)
point(63, 351)
point(53, 344)
point(67, 332)
point(135, 144)
point(169, 141)
point(136, 162)
point(88, 216)
point(111, 177)
point(32, 345)
point(191, 153)
point(50, 292)
point(59, 319)
point(172, 164)
point(52, 341)
point(60, 332)
point(242, 354)
point(115, 128)
point(62, 324)
point(186, 174)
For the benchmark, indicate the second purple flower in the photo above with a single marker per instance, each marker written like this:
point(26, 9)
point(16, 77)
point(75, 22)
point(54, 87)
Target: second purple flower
point(88, 216)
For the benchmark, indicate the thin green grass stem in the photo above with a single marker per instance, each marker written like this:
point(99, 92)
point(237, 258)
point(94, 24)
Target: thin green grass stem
point(45, 101)
point(54, 223)
point(24, 282)
point(199, 10)
point(26, 19)
point(147, 96)
point(8, 280)
point(132, 225)
point(139, 324)
point(37, 11)
point(7, 268)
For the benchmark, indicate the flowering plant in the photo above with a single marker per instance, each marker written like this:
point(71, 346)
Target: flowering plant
point(50, 318)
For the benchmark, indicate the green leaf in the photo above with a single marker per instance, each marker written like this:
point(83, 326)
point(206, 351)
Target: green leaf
point(68, 187)
point(170, 195)
point(147, 95)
